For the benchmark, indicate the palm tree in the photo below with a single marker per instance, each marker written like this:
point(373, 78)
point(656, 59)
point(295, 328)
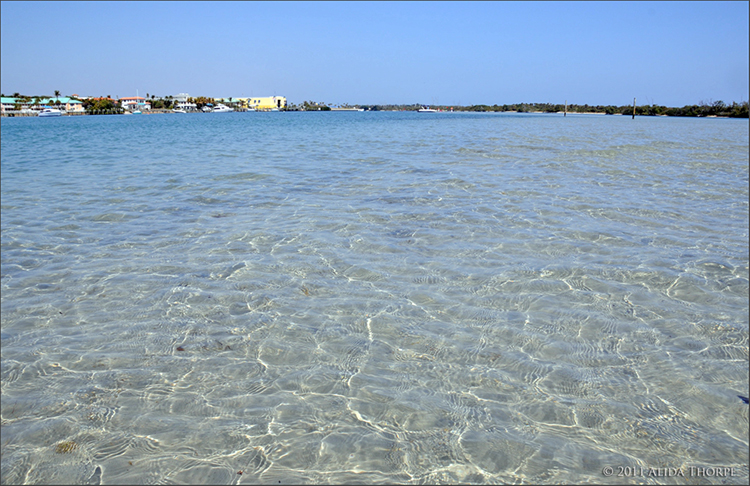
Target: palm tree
point(57, 93)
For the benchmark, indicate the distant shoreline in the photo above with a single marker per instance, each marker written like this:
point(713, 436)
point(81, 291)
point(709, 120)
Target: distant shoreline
point(717, 109)
point(535, 112)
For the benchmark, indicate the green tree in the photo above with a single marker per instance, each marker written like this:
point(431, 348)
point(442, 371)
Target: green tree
point(739, 110)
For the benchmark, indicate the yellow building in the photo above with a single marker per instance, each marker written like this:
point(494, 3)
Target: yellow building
point(267, 103)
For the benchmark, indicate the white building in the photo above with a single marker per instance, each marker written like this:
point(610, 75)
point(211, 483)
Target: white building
point(132, 103)
point(181, 103)
point(8, 104)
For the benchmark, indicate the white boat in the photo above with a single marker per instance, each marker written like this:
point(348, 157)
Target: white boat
point(137, 112)
point(50, 112)
point(207, 108)
point(222, 108)
point(424, 109)
point(178, 110)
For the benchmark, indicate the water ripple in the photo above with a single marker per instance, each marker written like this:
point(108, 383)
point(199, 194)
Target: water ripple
point(387, 298)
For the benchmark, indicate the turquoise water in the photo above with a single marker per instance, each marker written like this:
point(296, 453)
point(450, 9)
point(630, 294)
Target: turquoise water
point(373, 298)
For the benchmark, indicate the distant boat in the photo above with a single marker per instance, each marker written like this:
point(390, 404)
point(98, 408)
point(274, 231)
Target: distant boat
point(424, 109)
point(222, 108)
point(208, 108)
point(178, 110)
point(50, 112)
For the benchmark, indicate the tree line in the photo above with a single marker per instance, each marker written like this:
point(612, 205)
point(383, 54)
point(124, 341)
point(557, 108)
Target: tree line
point(309, 106)
point(716, 108)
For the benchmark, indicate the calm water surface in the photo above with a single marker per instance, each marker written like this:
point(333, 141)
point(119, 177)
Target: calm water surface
point(373, 298)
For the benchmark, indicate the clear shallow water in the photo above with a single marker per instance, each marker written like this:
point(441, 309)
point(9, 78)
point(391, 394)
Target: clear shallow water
point(373, 297)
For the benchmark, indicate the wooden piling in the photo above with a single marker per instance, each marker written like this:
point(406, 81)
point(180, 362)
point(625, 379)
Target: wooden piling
point(565, 113)
point(633, 109)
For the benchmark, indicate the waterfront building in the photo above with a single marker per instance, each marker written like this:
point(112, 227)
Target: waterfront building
point(8, 104)
point(132, 103)
point(267, 103)
point(28, 104)
point(66, 103)
point(181, 103)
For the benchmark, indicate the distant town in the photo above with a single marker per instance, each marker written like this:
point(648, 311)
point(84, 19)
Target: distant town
point(44, 105)
point(23, 105)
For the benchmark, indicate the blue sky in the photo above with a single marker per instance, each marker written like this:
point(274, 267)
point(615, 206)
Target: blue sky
point(447, 53)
